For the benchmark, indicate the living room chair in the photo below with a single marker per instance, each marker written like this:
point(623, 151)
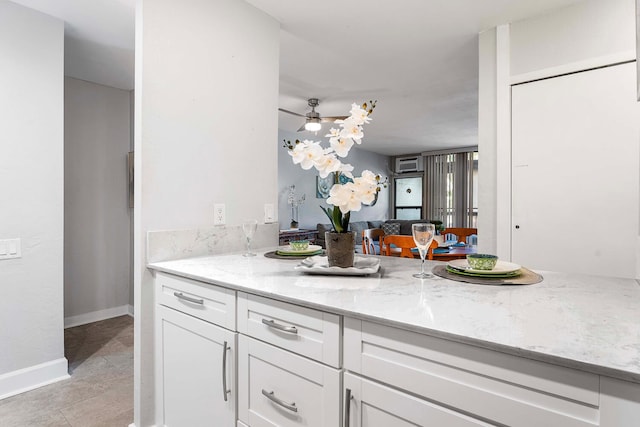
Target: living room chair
point(461, 233)
point(369, 237)
point(434, 244)
point(403, 245)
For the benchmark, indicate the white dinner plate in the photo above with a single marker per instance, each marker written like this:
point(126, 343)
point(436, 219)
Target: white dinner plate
point(502, 267)
point(287, 250)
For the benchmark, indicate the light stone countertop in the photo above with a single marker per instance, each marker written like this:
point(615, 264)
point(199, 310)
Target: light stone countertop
point(590, 323)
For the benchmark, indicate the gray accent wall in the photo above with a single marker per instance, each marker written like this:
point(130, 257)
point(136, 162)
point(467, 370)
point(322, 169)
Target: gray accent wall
point(97, 215)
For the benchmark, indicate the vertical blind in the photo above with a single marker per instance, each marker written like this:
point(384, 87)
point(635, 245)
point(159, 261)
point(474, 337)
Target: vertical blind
point(449, 184)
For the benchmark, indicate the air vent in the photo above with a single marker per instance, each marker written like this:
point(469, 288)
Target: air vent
point(409, 164)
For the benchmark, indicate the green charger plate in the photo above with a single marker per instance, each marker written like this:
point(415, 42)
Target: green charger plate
point(484, 276)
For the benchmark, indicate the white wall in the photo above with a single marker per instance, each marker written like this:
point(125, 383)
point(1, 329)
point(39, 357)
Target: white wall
point(589, 33)
point(310, 213)
point(487, 147)
point(580, 32)
point(202, 69)
point(31, 197)
point(97, 216)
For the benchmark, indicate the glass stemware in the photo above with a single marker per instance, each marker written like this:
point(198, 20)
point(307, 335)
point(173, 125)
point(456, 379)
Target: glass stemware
point(423, 236)
point(249, 228)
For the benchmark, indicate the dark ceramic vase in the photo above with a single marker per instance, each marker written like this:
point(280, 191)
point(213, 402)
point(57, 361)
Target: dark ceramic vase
point(340, 248)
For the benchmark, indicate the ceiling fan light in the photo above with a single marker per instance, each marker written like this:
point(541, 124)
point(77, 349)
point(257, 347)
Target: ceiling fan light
point(312, 126)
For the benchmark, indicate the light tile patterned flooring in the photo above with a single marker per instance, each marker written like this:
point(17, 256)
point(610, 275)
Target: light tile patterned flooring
point(100, 390)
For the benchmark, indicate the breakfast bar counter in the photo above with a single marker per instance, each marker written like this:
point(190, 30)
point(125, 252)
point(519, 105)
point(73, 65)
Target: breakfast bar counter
point(589, 323)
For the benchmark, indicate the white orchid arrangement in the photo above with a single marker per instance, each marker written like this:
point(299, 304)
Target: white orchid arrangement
point(349, 196)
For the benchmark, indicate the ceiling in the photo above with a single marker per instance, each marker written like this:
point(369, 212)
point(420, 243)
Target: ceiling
point(417, 58)
point(99, 38)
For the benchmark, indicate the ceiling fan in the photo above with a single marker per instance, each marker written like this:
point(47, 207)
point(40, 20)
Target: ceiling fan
point(313, 118)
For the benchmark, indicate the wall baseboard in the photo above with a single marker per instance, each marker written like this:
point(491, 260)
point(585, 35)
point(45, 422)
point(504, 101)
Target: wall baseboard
point(130, 312)
point(26, 379)
point(95, 316)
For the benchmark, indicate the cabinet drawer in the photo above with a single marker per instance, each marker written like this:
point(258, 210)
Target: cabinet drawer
point(305, 331)
point(374, 405)
point(207, 302)
point(279, 388)
point(494, 386)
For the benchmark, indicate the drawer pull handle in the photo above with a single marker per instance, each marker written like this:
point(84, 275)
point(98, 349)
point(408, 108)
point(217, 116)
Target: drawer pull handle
point(180, 295)
point(274, 325)
point(269, 395)
point(347, 407)
point(225, 391)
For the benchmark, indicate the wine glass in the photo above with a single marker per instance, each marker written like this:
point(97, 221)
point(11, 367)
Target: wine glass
point(249, 227)
point(423, 236)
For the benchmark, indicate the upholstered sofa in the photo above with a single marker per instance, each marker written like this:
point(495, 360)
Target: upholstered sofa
point(391, 226)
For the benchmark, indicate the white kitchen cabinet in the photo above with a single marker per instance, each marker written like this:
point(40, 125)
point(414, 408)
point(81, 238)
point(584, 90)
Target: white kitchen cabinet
point(196, 366)
point(300, 366)
point(280, 388)
point(371, 404)
point(195, 359)
point(489, 385)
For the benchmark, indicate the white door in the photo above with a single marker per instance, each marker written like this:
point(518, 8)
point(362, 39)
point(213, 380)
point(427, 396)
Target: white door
point(194, 355)
point(575, 172)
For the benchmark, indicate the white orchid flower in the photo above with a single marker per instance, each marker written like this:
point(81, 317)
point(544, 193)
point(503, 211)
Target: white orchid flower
point(351, 129)
point(341, 146)
point(359, 114)
point(344, 197)
point(327, 164)
point(333, 133)
point(346, 169)
point(306, 154)
point(366, 187)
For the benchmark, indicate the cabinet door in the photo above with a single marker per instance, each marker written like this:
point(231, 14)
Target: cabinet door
point(195, 371)
point(575, 172)
point(369, 404)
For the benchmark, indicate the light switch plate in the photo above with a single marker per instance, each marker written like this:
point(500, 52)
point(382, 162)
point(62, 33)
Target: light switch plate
point(10, 248)
point(269, 213)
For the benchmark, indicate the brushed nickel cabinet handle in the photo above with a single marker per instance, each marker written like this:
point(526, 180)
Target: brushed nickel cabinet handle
point(347, 406)
point(274, 325)
point(271, 396)
point(180, 295)
point(225, 391)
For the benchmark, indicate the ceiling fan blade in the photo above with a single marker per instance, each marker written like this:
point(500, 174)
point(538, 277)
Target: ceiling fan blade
point(291, 112)
point(301, 128)
point(332, 119)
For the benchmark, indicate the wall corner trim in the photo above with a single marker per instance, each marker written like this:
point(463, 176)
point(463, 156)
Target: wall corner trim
point(33, 377)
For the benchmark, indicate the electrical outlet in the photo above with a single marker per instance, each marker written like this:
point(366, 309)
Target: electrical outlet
point(219, 216)
point(269, 213)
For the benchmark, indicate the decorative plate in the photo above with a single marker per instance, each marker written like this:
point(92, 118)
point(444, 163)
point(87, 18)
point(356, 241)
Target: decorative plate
point(502, 267)
point(287, 250)
point(484, 276)
point(320, 265)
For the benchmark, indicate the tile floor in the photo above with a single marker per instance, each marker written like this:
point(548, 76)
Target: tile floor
point(100, 390)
